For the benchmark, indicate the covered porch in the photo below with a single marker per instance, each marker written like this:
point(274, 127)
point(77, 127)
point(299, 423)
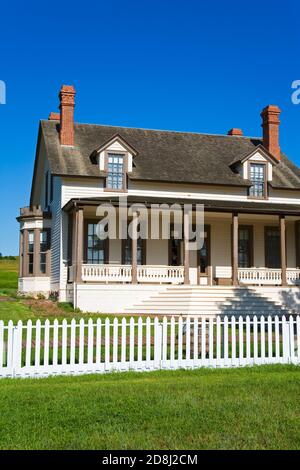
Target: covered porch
point(254, 245)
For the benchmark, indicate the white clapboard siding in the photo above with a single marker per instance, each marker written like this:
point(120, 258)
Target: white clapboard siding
point(87, 346)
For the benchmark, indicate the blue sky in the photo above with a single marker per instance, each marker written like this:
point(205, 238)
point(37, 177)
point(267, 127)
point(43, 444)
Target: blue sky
point(154, 64)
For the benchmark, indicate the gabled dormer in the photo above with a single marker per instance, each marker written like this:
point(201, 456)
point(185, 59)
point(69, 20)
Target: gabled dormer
point(257, 168)
point(115, 160)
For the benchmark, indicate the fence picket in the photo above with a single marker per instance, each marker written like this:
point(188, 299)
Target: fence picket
point(203, 341)
point(17, 348)
point(285, 341)
point(255, 340)
point(270, 344)
point(98, 341)
point(291, 336)
point(90, 358)
point(176, 344)
point(277, 344)
point(172, 343)
point(10, 346)
point(140, 340)
point(188, 340)
point(55, 342)
point(180, 326)
point(233, 341)
point(73, 342)
point(210, 341)
point(64, 342)
point(241, 340)
point(28, 344)
point(262, 339)
point(131, 341)
point(115, 340)
point(226, 341)
point(148, 342)
point(37, 343)
point(218, 347)
point(46, 342)
point(248, 340)
point(107, 343)
point(123, 341)
point(81, 342)
point(196, 338)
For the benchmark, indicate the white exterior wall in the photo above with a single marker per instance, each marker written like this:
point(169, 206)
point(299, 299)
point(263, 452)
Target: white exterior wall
point(112, 298)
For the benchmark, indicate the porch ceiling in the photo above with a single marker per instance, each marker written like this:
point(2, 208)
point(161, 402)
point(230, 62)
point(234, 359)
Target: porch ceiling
point(245, 207)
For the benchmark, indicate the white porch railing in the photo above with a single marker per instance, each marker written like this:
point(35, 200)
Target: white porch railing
point(266, 276)
point(123, 273)
point(106, 273)
point(293, 276)
point(161, 274)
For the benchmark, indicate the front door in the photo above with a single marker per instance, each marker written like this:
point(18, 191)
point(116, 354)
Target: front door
point(174, 249)
point(272, 247)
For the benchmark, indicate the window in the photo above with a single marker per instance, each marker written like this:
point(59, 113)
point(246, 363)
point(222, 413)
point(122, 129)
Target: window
point(115, 171)
point(245, 248)
point(96, 249)
point(258, 180)
point(272, 247)
point(204, 252)
point(127, 251)
point(44, 246)
point(30, 251)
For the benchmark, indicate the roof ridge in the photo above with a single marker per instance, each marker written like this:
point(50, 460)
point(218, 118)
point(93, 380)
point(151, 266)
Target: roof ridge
point(170, 131)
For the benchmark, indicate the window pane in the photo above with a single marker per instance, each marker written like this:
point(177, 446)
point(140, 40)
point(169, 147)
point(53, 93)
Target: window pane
point(257, 177)
point(127, 246)
point(244, 247)
point(96, 247)
point(43, 263)
point(30, 263)
point(115, 178)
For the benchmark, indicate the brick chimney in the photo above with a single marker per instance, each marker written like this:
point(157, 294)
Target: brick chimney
point(54, 116)
point(270, 125)
point(235, 131)
point(67, 103)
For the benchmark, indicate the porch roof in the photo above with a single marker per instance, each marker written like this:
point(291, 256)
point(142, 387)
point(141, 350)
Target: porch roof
point(246, 207)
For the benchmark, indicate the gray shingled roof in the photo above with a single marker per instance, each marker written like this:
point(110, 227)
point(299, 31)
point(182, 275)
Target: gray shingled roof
point(162, 155)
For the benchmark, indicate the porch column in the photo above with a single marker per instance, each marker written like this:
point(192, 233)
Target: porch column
point(186, 250)
point(283, 249)
point(77, 243)
point(235, 232)
point(36, 252)
point(134, 249)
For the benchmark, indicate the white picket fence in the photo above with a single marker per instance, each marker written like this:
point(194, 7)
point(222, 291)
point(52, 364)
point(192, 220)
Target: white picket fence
point(86, 346)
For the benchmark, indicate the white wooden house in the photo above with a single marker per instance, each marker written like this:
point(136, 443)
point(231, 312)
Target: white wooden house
point(250, 191)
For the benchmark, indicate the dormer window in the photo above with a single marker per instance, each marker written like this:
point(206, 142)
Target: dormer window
point(116, 174)
point(257, 176)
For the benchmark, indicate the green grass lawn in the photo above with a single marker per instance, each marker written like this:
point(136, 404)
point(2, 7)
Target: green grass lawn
point(18, 308)
point(250, 408)
point(8, 276)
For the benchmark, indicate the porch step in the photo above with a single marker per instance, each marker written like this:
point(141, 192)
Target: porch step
point(208, 301)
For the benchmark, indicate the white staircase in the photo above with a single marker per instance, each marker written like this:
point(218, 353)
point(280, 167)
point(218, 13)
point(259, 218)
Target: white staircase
point(208, 301)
